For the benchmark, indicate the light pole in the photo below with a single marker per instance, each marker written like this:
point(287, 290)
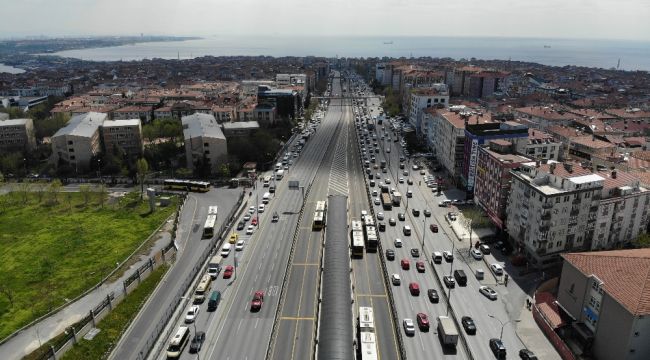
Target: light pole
point(502, 324)
point(469, 226)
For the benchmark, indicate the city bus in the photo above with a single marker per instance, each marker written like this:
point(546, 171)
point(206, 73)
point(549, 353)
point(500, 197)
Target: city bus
point(320, 215)
point(208, 228)
point(202, 289)
point(178, 342)
point(366, 332)
point(356, 239)
point(212, 210)
point(186, 185)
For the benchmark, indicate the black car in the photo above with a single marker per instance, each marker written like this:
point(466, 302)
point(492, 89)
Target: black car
point(427, 213)
point(415, 252)
point(415, 212)
point(449, 281)
point(433, 296)
point(526, 354)
point(401, 217)
point(382, 226)
point(469, 325)
point(498, 349)
point(197, 342)
point(390, 254)
point(241, 225)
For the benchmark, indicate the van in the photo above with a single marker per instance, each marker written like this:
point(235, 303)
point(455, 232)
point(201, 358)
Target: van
point(215, 299)
point(225, 250)
point(460, 276)
point(266, 198)
point(437, 257)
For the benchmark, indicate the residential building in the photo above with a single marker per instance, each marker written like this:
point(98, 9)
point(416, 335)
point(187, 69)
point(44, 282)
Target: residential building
point(239, 128)
point(424, 98)
point(622, 210)
point(265, 114)
point(543, 117)
point(479, 133)
point(17, 135)
point(493, 178)
point(587, 146)
point(224, 114)
point(125, 136)
point(448, 132)
point(77, 142)
point(163, 112)
point(552, 209)
point(143, 113)
point(286, 101)
point(205, 143)
point(539, 145)
point(606, 297)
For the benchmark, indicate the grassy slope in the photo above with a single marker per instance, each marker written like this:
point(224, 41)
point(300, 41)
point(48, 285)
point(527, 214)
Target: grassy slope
point(50, 253)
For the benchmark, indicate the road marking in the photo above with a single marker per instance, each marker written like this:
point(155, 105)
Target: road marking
point(307, 264)
point(373, 295)
point(294, 318)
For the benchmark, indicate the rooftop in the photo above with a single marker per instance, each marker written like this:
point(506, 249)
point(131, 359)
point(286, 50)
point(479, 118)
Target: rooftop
point(116, 123)
point(14, 122)
point(84, 125)
point(625, 275)
point(201, 125)
point(240, 125)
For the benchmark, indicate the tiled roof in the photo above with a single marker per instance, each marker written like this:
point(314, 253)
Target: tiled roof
point(590, 142)
point(643, 155)
point(643, 176)
point(563, 131)
point(546, 113)
point(625, 273)
point(562, 172)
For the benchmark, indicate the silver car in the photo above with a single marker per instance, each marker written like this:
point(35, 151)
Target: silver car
point(488, 292)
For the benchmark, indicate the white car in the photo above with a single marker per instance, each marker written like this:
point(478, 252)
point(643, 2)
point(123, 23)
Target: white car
point(488, 292)
point(409, 327)
point(415, 167)
point(239, 246)
point(260, 209)
point(395, 279)
point(377, 201)
point(380, 216)
point(387, 181)
point(363, 213)
point(191, 314)
point(476, 254)
point(398, 243)
point(374, 193)
point(247, 217)
point(249, 230)
point(251, 210)
point(401, 180)
point(497, 269)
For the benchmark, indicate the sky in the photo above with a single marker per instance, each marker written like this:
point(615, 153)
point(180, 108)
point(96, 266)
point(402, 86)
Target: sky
point(574, 19)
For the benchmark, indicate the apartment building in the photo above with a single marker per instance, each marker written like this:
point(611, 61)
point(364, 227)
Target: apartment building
point(605, 296)
point(552, 209)
point(543, 117)
point(223, 113)
point(240, 128)
point(265, 114)
point(539, 145)
point(77, 142)
point(424, 98)
point(125, 136)
point(17, 135)
point(479, 133)
point(587, 146)
point(493, 179)
point(205, 143)
point(143, 113)
point(448, 139)
point(622, 210)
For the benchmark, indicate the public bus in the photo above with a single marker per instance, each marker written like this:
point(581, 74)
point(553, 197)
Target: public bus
point(178, 342)
point(366, 332)
point(202, 289)
point(186, 185)
point(372, 240)
point(212, 210)
point(320, 215)
point(356, 239)
point(208, 228)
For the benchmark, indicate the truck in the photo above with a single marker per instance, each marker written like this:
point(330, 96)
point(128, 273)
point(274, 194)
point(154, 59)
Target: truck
point(214, 268)
point(386, 201)
point(397, 198)
point(279, 174)
point(447, 331)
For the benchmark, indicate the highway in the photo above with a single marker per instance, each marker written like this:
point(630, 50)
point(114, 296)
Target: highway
point(465, 300)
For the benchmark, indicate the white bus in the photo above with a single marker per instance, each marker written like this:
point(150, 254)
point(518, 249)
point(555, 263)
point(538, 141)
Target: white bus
point(367, 336)
point(356, 239)
point(178, 342)
point(212, 210)
point(208, 228)
point(320, 214)
point(202, 289)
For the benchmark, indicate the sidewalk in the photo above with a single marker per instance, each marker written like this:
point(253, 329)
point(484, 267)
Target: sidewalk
point(533, 338)
point(31, 338)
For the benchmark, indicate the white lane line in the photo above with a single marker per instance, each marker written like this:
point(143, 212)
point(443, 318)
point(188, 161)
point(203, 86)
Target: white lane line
point(239, 326)
point(257, 322)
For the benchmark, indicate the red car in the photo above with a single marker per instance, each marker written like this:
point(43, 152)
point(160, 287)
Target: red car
point(227, 273)
point(258, 300)
point(414, 288)
point(420, 266)
point(434, 228)
point(423, 321)
point(405, 264)
point(254, 221)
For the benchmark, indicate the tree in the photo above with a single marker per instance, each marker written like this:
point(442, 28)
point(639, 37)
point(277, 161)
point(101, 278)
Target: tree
point(84, 190)
point(142, 168)
point(40, 191)
point(8, 292)
point(643, 241)
point(23, 190)
point(55, 189)
point(101, 194)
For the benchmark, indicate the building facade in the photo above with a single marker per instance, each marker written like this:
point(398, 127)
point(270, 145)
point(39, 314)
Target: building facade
point(205, 143)
point(17, 135)
point(552, 209)
point(538, 146)
point(448, 132)
point(77, 142)
point(606, 296)
point(421, 99)
point(125, 136)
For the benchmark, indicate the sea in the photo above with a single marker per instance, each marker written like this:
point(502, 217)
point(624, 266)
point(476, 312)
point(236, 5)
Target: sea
point(622, 54)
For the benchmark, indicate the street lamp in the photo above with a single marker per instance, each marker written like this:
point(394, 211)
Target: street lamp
point(503, 324)
point(469, 226)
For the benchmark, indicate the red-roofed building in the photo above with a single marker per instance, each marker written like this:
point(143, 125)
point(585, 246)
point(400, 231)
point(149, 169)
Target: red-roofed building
point(545, 116)
point(607, 294)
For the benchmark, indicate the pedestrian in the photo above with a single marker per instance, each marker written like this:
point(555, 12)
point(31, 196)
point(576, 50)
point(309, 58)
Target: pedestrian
point(527, 303)
point(506, 279)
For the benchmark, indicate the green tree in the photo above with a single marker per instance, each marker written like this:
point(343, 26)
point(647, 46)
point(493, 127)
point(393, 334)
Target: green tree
point(101, 194)
point(85, 193)
point(643, 241)
point(55, 189)
point(39, 189)
point(142, 168)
